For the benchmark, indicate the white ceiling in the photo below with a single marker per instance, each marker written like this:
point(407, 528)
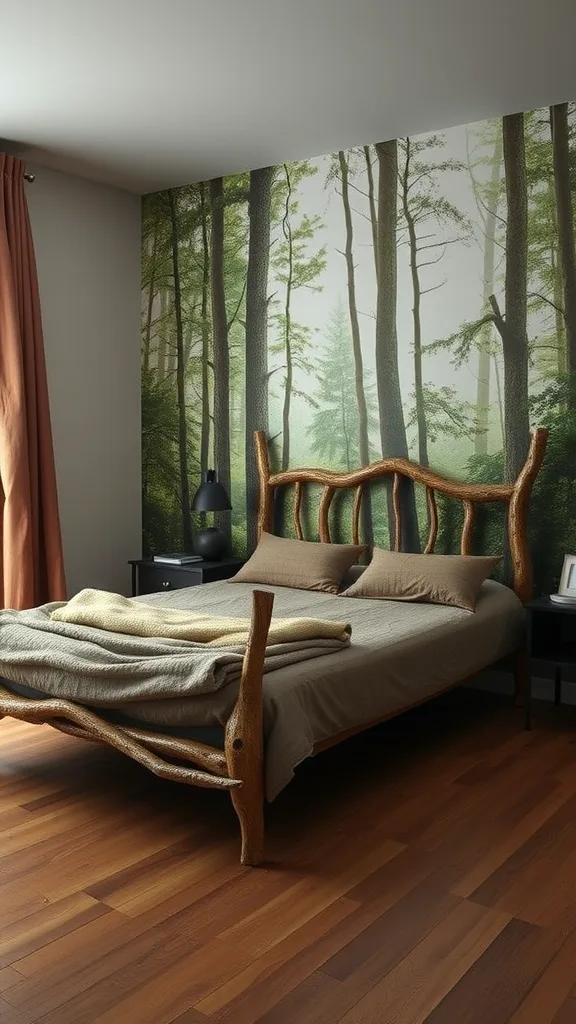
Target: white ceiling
point(147, 94)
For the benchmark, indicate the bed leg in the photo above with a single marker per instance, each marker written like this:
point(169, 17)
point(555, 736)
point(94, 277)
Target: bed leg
point(521, 669)
point(249, 806)
point(244, 738)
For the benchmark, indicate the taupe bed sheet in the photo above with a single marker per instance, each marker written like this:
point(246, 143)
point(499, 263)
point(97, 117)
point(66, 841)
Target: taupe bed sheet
point(400, 654)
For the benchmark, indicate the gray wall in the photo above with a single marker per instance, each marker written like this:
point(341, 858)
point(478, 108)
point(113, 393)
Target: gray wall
point(87, 240)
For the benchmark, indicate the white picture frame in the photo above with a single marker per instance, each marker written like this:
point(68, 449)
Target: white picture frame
point(567, 586)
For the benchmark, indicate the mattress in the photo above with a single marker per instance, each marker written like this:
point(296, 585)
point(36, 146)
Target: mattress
point(401, 654)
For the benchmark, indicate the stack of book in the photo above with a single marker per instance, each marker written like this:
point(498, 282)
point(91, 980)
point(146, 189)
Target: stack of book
point(178, 558)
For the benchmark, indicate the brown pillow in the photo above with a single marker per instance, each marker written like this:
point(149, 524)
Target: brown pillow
point(436, 579)
point(282, 562)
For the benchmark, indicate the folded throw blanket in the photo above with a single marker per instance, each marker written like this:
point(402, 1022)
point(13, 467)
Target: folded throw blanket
point(193, 682)
point(104, 610)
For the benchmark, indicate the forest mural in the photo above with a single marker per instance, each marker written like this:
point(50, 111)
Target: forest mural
point(415, 297)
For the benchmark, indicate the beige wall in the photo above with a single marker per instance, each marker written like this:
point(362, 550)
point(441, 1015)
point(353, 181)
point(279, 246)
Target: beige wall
point(87, 239)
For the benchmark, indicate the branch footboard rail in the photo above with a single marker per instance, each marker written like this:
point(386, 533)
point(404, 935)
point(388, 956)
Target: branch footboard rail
point(77, 720)
point(514, 495)
point(238, 768)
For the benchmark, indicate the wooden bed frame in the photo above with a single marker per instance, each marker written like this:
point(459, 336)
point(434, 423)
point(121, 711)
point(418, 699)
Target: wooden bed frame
point(239, 767)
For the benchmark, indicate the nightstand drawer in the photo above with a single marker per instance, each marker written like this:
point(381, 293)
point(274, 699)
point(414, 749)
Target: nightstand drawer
point(150, 577)
point(152, 580)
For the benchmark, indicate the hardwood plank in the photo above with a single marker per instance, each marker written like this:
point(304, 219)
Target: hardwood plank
point(190, 1017)
point(306, 898)
point(552, 990)
point(146, 883)
point(567, 1013)
point(482, 832)
point(510, 843)
point(11, 818)
point(8, 1015)
point(479, 817)
point(409, 818)
point(263, 993)
point(552, 902)
point(34, 828)
point(296, 1006)
point(419, 982)
point(181, 985)
point(19, 791)
point(508, 757)
point(54, 796)
point(8, 978)
point(173, 909)
point(116, 851)
point(120, 886)
point(101, 957)
point(395, 878)
point(393, 934)
point(494, 987)
point(17, 901)
point(383, 951)
point(202, 891)
point(281, 968)
point(241, 898)
point(45, 925)
point(138, 974)
point(54, 965)
point(428, 810)
point(36, 859)
point(519, 877)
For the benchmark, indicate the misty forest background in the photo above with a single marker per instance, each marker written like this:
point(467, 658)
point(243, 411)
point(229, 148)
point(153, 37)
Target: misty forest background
point(415, 297)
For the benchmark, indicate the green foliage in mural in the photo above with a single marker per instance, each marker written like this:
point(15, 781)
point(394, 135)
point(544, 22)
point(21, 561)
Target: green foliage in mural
point(414, 296)
point(335, 424)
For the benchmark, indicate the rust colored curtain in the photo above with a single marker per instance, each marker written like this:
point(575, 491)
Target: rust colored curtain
point(31, 563)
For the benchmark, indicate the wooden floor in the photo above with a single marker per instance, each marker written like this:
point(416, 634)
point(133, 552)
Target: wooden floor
point(423, 872)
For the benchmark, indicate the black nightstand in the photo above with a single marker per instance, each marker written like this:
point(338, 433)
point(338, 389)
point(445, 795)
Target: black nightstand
point(551, 638)
point(150, 577)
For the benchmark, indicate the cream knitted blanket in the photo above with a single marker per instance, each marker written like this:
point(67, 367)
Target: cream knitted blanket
point(103, 610)
point(112, 655)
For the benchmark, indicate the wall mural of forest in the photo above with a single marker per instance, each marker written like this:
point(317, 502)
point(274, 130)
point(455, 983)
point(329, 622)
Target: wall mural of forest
point(415, 297)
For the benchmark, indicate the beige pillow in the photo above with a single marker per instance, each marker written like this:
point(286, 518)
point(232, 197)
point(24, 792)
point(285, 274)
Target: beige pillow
point(282, 562)
point(436, 579)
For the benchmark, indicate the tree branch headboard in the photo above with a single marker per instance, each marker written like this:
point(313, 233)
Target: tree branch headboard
point(515, 496)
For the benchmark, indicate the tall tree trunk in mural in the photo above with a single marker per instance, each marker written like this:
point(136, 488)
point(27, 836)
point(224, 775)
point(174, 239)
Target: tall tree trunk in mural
point(151, 297)
point(565, 221)
point(180, 382)
point(189, 326)
point(416, 318)
point(256, 388)
point(392, 426)
point(220, 354)
point(512, 327)
point(499, 398)
point(162, 334)
point(484, 354)
point(558, 297)
point(560, 323)
point(288, 379)
point(171, 352)
point(363, 442)
point(372, 205)
point(205, 321)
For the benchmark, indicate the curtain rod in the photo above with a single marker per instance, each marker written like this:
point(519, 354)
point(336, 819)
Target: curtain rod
point(29, 176)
